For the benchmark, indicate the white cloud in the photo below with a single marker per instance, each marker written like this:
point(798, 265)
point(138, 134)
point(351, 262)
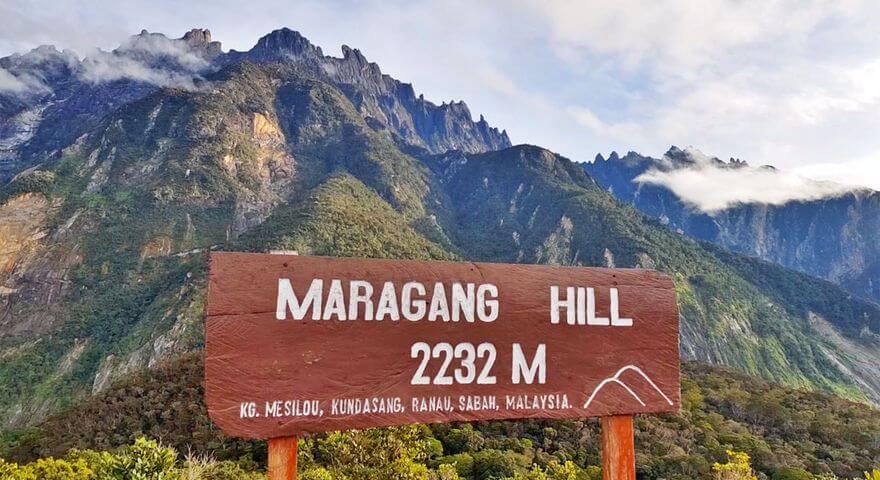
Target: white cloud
point(854, 171)
point(106, 67)
point(672, 34)
point(616, 131)
point(21, 84)
point(846, 90)
point(711, 186)
point(148, 58)
point(147, 46)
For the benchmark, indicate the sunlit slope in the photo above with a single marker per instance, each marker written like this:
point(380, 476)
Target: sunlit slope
point(110, 278)
point(526, 204)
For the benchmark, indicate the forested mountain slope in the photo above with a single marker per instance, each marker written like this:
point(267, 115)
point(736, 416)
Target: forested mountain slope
point(106, 233)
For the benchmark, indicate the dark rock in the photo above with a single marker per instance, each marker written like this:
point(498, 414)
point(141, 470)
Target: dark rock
point(283, 45)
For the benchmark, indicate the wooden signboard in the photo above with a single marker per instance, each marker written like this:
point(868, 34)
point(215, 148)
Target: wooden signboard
point(299, 344)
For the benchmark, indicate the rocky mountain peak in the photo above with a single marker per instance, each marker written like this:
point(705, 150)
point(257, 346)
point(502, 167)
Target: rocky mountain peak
point(284, 44)
point(44, 57)
point(200, 39)
point(194, 51)
point(688, 156)
point(353, 54)
point(106, 80)
point(737, 163)
point(197, 36)
point(676, 153)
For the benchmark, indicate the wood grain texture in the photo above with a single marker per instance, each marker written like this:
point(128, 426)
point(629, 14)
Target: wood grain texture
point(253, 361)
point(618, 449)
point(282, 458)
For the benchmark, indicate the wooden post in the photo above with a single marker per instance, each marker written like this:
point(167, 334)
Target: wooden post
point(282, 458)
point(282, 450)
point(618, 449)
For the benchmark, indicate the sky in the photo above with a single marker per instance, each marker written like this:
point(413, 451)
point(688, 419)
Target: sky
point(795, 84)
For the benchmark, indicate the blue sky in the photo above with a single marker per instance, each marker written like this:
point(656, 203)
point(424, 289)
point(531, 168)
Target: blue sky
point(793, 84)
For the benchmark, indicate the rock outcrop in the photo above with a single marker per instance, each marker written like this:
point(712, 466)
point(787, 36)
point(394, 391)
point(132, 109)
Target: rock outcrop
point(68, 96)
point(389, 103)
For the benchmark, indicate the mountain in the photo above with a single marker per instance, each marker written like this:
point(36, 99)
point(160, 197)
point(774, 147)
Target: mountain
point(114, 205)
point(831, 237)
point(60, 98)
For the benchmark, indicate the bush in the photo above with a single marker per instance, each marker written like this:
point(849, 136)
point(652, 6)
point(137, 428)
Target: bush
point(447, 472)
point(318, 473)
point(491, 464)
point(463, 463)
point(144, 460)
point(206, 468)
point(736, 468)
point(555, 471)
point(101, 463)
point(789, 473)
point(46, 469)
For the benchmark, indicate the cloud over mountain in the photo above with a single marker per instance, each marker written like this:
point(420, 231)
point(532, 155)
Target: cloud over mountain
point(155, 59)
point(712, 185)
point(107, 67)
point(19, 84)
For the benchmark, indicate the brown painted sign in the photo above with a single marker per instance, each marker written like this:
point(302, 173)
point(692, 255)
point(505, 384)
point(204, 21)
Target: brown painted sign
point(300, 344)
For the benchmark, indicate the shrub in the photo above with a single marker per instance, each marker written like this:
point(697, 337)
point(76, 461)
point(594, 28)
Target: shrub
point(490, 463)
point(463, 463)
point(144, 460)
point(11, 471)
point(789, 473)
point(46, 469)
point(563, 471)
point(736, 468)
point(318, 473)
point(101, 463)
point(447, 472)
point(202, 467)
point(555, 471)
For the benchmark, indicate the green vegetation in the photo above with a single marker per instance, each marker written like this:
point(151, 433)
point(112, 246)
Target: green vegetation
point(783, 431)
point(37, 181)
point(142, 460)
point(801, 294)
point(526, 204)
point(342, 217)
point(143, 198)
point(737, 468)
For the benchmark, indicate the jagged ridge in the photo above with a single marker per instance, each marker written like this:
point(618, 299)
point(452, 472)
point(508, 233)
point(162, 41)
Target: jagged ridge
point(67, 97)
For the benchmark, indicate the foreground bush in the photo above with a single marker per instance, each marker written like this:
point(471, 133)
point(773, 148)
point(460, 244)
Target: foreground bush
point(402, 453)
point(142, 460)
point(786, 433)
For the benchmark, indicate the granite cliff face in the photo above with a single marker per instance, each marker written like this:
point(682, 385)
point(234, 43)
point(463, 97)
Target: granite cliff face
point(384, 102)
point(115, 204)
point(60, 97)
point(834, 238)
